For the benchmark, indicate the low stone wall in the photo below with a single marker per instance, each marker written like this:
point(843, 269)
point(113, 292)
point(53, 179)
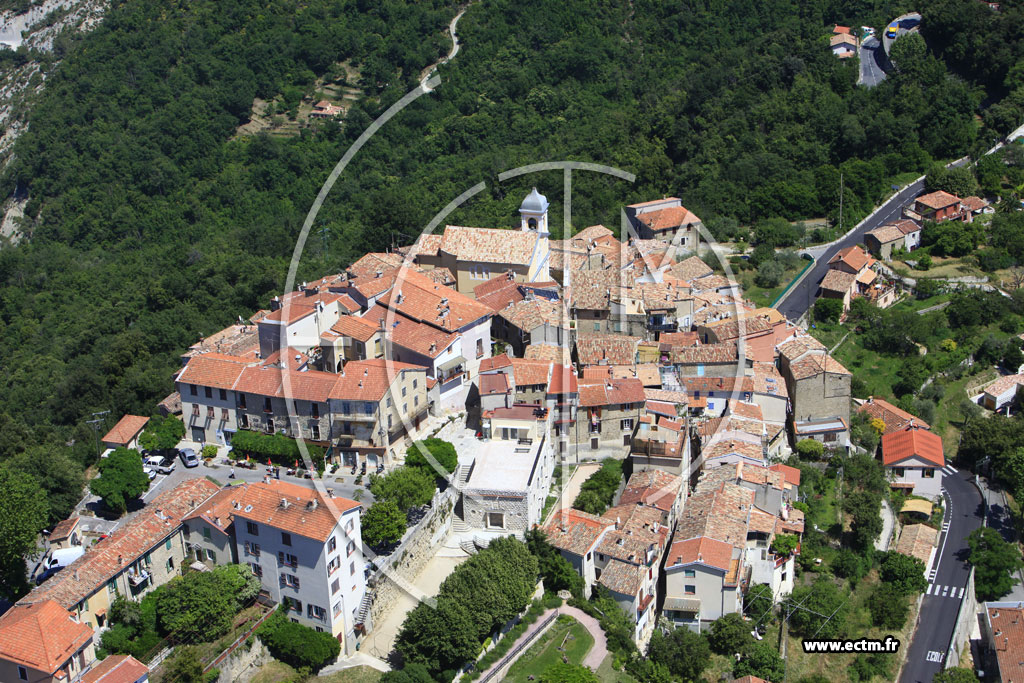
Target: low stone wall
point(408, 560)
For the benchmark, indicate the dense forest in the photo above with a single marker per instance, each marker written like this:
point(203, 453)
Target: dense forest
point(150, 222)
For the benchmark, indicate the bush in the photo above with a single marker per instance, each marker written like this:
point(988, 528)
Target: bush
point(828, 310)
point(903, 573)
point(209, 451)
point(408, 487)
point(278, 448)
point(810, 449)
point(769, 274)
point(888, 607)
point(440, 450)
point(729, 634)
point(600, 488)
point(297, 645)
point(383, 523)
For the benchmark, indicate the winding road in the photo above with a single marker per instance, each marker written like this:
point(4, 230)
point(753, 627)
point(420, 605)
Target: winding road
point(425, 76)
point(947, 579)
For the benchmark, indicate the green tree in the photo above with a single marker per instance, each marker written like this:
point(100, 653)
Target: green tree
point(864, 507)
point(121, 479)
point(761, 660)
point(561, 672)
point(162, 433)
point(888, 607)
point(239, 582)
point(729, 634)
point(383, 523)
point(828, 310)
point(297, 645)
point(769, 274)
point(590, 501)
point(785, 544)
point(849, 565)
point(822, 597)
point(810, 449)
point(412, 672)
point(442, 452)
point(407, 487)
point(23, 514)
point(440, 638)
point(903, 573)
point(955, 675)
point(994, 561)
point(185, 666)
point(195, 607)
point(558, 574)
point(685, 653)
point(60, 478)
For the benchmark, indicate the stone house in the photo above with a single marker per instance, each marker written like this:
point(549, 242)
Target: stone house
point(666, 219)
point(611, 410)
point(817, 384)
point(41, 642)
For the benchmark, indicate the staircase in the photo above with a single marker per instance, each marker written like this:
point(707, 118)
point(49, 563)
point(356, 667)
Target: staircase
point(459, 526)
point(364, 608)
point(463, 475)
point(469, 547)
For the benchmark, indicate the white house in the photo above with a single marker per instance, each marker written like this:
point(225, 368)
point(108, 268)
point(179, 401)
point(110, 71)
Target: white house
point(914, 459)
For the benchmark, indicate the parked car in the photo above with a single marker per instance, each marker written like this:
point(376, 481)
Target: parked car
point(161, 465)
point(150, 472)
point(58, 559)
point(189, 458)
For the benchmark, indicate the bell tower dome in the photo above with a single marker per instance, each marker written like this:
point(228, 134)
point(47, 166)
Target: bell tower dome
point(534, 213)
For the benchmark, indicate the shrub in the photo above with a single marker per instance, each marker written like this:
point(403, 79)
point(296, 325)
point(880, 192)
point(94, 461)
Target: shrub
point(828, 310)
point(810, 449)
point(297, 645)
point(598, 491)
point(888, 607)
point(729, 634)
point(441, 451)
point(278, 448)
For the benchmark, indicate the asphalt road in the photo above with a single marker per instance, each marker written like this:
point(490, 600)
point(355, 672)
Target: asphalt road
point(871, 73)
point(965, 511)
point(801, 297)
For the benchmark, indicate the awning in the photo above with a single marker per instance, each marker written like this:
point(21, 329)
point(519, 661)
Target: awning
point(901, 485)
point(454, 362)
point(867, 277)
point(682, 604)
point(920, 506)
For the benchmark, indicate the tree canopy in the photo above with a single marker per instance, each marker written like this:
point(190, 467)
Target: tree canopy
point(995, 563)
point(121, 479)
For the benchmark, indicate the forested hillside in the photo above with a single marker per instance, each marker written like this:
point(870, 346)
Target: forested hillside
point(150, 226)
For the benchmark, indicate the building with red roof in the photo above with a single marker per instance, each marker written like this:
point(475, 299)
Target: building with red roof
point(118, 669)
point(666, 219)
point(41, 641)
point(916, 461)
point(125, 433)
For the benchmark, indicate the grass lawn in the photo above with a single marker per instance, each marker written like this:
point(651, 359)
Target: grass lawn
point(279, 672)
point(607, 673)
point(274, 672)
point(545, 651)
point(762, 296)
point(357, 674)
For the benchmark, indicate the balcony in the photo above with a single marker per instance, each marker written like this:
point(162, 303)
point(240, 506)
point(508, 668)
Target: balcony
point(136, 579)
point(642, 606)
point(355, 412)
point(661, 326)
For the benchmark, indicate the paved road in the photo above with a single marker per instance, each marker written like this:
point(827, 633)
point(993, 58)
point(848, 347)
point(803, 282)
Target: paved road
point(965, 511)
point(801, 297)
point(871, 73)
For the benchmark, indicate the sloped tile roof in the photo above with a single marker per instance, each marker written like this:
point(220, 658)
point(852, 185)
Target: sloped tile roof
point(917, 540)
point(495, 362)
point(557, 354)
point(420, 298)
point(815, 364)
point(705, 354)
point(853, 257)
point(690, 269)
point(64, 529)
point(838, 281)
point(623, 578)
point(575, 531)
point(679, 338)
point(126, 429)
point(791, 474)
point(500, 291)
point(312, 385)
point(421, 337)
point(937, 200)
point(207, 371)
point(530, 372)
point(654, 488)
point(355, 327)
point(489, 245)
point(116, 669)
point(798, 346)
point(611, 392)
point(886, 233)
point(592, 290)
point(720, 513)
point(369, 265)
point(921, 443)
point(41, 635)
point(1008, 621)
point(299, 517)
point(1001, 385)
point(368, 380)
point(528, 315)
point(895, 418)
point(125, 545)
point(607, 349)
point(702, 549)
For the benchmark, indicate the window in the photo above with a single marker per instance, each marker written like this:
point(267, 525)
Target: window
point(266, 405)
point(286, 538)
point(600, 557)
point(831, 437)
point(169, 565)
point(627, 424)
point(253, 528)
point(690, 589)
point(208, 391)
point(349, 526)
point(211, 556)
point(287, 559)
point(167, 545)
point(414, 383)
point(257, 568)
point(928, 473)
point(315, 432)
point(479, 348)
point(689, 573)
point(389, 422)
point(293, 581)
point(899, 472)
point(389, 401)
point(404, 391)
point(252, 549)
point(314, 410)
point(332, 544)
point(350, 548)
point(337, 608)
point(415, 401)
point(206, 532)
point(618, 326)
point(315, 612)
point(783, 576)
point(333, 565)
point(597, 327)
point(352, 569)
point(22, 673)
point(112, 587)
point(193, 389)
point(241, 401)
point(223, 395)
point(335, 587)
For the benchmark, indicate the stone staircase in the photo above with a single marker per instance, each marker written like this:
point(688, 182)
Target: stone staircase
point(364, 608)
point(463, 475)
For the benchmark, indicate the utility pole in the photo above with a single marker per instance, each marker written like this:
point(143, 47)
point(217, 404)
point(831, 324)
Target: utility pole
point(95, 423)
point(840, 205)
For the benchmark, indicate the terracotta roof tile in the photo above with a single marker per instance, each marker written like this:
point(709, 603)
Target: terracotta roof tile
point(623, 578)
point(217, 373)
point(937, 200)
point(815, 364)
point(124, 546)
point(898, 446)
point(530, 372)
point(854, 257)
point(274, 382)
point(1002, 384)
point(705, 354)
point(668, 218)
point(575, 531)
point(838, 281)
point(886, 233)
point(299, 517)
point(691, 269)
point(703, 550)
point(495, 362)
point(654, 488)
point(563, 381)
point(791, 474)
point(368, 265)
point(355, 328)
point(488, 245)
point(116, 669)
point(719, 513)
point(606, 349)
point(41, 636)
point(368, 380)
point(557, 354)
point(64, 529)
point(611, 392)
point(529, 315)
point(420, 298)
point(126, 429)
point(917, 540)
point(500, 291)
point(1008, 622)
point(421, 337)
point(895, 419)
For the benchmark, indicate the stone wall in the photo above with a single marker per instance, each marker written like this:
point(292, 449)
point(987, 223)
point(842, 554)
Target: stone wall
point(965, 622)
point(408, 560)
point(244, 663)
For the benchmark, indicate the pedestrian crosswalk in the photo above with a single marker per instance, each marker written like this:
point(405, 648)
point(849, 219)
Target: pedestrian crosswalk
point(950, 470)
point(940, 591)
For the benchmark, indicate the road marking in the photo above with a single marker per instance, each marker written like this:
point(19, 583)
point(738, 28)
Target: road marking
point(961, 594)
point(934, 656)
point(929, 591)
point(952, 468)
point(945, 589)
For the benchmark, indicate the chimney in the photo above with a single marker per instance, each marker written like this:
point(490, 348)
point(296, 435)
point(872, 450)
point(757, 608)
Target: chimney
point(76, 575)
point(311, 505)
point(284, 503)
point(119, 558)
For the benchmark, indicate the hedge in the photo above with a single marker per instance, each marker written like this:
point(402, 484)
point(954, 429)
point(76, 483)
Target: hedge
point(279, 449)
